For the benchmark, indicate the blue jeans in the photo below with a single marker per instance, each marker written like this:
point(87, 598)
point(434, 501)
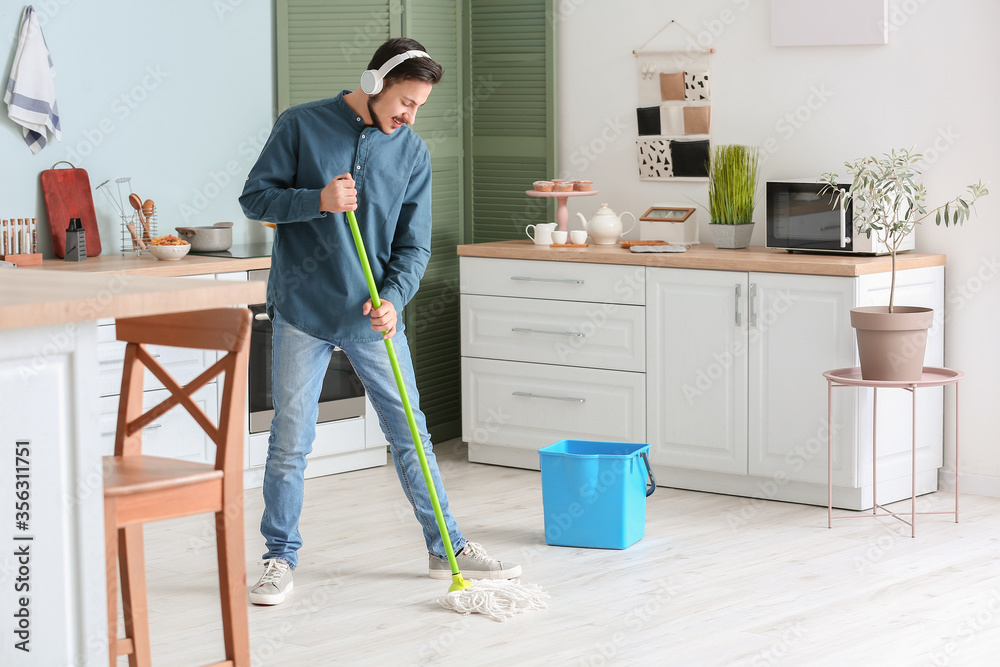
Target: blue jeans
point(300, 362)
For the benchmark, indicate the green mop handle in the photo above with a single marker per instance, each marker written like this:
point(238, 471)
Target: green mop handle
point(456, 576)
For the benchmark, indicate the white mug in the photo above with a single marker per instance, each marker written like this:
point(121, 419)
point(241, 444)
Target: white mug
point(559, 237)
point(542, 233)
point(578, 236)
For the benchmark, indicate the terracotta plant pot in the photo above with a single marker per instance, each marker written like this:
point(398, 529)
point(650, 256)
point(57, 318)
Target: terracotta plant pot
point(891, 345)
point(731, 236)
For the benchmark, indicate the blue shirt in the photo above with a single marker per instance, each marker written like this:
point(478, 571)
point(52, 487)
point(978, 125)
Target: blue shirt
point(316, 280)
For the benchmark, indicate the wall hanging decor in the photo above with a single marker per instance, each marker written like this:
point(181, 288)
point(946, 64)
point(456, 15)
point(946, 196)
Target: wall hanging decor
point(674, 110)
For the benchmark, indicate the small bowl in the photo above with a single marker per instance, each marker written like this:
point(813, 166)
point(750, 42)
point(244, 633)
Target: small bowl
point(543, 186)
point(583, 186)
point(168, 252)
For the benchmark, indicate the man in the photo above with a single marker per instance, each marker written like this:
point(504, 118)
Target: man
point(353, 152)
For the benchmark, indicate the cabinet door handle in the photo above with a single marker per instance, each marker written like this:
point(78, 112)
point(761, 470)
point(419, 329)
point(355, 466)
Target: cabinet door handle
point(553, 333)
point(739, 292)
point(571, 399)
point(568, 281)
point(753, 311)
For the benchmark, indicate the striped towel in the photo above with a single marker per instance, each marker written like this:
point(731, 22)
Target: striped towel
point(31, 91)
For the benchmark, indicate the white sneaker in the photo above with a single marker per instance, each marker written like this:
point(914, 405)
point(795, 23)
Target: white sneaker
point(273, 584)
point(474, 563)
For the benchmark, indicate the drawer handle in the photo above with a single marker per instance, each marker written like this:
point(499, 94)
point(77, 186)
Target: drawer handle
point(571, 399)
point(568, 281)
point(553, 333)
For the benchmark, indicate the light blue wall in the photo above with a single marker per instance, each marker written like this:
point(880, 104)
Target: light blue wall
point(178, 95)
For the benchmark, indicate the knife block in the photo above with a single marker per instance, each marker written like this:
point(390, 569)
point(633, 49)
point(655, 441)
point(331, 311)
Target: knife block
point(29, 259)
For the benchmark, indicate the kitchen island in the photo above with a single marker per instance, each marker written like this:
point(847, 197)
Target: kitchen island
point(52, 570)
point(713, 357)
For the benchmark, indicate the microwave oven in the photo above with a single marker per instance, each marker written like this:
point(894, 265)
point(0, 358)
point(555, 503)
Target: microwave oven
point(801, 217)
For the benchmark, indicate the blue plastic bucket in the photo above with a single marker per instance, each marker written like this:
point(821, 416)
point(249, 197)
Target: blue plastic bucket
point(594, 493)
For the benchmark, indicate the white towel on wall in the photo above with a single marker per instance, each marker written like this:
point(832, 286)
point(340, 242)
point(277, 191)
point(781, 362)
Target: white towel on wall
point(31, 90)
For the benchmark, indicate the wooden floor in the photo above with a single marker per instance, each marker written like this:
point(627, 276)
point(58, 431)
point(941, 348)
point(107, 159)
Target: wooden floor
point(717, 580)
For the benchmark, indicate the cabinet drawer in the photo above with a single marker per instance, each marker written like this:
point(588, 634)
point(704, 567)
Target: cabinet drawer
point(176, 434)
point(568, 333)
point(568, 281)
point(533, 405)
point(183, 363)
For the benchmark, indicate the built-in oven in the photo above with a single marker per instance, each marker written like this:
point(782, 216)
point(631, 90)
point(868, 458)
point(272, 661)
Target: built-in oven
point(342, 396)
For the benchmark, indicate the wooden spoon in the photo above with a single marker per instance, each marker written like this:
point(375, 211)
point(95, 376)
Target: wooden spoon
point(136, 202)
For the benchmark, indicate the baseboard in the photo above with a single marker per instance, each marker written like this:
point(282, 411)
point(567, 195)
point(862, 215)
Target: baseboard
point(980, 485)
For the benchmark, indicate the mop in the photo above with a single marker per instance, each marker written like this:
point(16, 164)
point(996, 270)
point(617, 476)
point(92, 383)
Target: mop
point(498, 599)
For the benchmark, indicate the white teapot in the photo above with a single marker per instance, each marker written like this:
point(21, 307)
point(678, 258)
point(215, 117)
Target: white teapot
point(606, 227)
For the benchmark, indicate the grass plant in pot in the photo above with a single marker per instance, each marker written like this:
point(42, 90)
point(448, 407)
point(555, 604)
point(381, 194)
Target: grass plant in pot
point(888, 204)
point(732, 194)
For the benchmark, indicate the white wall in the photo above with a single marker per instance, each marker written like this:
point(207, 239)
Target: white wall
point(933, 86)
point(177, 95)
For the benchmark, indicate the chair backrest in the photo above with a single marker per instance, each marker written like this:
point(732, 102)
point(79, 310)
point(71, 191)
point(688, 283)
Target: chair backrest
point(223, 329)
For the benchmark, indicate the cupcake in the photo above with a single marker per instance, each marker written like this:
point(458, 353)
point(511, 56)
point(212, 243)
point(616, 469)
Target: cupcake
point(565, 186)
point(583, 186)
point(543, 186)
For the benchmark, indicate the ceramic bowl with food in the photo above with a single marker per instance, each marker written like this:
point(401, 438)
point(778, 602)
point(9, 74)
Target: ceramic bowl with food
point(168, 247)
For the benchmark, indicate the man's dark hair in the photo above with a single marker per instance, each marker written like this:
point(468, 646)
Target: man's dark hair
point(421, 69)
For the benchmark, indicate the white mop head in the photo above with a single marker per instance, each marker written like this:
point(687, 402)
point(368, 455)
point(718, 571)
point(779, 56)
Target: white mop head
point(499, 599)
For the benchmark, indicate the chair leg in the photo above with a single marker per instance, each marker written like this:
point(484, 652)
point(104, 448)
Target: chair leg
point(111, 574)
point(233, 581)
point(133, 566)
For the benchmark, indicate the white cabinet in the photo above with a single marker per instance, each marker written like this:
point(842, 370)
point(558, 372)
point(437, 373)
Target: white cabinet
point(737, 401)
point(550, 350)
point(696, 325)
point(719, 371)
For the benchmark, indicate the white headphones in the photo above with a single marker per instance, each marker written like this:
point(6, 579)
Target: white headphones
point(372, 79)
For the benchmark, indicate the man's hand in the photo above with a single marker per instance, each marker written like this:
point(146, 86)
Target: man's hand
point(339, 195)
point(383, 318)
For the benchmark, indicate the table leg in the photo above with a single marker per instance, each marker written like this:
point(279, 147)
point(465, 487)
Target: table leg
point(913, 466)
point(874, 450)
point(956, 452)
point(829, 454)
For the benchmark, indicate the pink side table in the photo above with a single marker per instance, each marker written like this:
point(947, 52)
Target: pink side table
point(851, 377)
point(562, 210)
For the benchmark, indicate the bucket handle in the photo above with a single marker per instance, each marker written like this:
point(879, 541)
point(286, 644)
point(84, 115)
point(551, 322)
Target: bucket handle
point(649, 471)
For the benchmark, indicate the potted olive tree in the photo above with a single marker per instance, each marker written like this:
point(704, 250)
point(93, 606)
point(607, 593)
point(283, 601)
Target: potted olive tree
point(887, 205)
point(732, 194)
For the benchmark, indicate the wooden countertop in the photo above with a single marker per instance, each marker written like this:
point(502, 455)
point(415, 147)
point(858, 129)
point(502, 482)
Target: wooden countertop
point(189, 265)
point(707, 256)
point(37, 298)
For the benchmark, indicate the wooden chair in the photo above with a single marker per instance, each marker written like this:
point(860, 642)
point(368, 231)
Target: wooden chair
point(139, 489)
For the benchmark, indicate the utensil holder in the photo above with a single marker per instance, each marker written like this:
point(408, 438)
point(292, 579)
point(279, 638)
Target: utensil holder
point(127, 244)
